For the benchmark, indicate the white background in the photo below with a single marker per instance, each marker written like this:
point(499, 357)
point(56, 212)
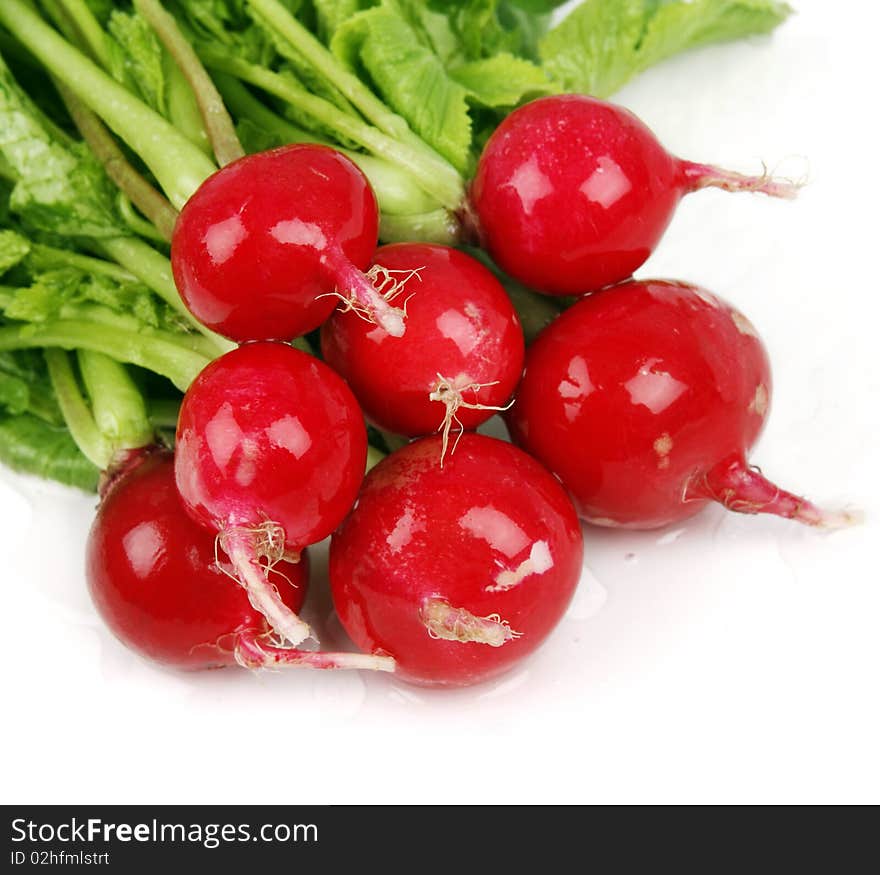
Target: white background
point(731, 659)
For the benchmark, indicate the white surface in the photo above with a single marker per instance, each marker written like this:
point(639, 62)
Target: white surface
point(733, 659)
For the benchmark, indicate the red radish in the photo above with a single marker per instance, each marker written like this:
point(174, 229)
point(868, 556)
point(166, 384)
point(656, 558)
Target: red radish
point(573, 193)
point(267, 245)
point(271, 451)
point(461, 356)
point(457, 572)
point(644, 399)
point(164, 590)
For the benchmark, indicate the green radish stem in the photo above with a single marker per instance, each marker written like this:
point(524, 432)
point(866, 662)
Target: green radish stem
point(80, 422)
point(284, 24)
point(374, 456)
point(218, 124)
point(163, 412)
point(136, 223)
point(47, 257)
point(154, 270)
point(175, 162)
point(147, 199)
point(182, 106)
point(396, 190)
point(432, 175)
point(436, 226)
point(88, 29)
point(117, 405)
point(150, 351)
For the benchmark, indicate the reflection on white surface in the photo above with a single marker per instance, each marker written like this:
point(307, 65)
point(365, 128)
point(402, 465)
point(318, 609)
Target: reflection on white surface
point(589, 598)
point(339, 693)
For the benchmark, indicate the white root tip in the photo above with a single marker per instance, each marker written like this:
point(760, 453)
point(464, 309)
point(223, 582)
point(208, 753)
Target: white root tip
point(445, 622)
point(393, 321)
point(843, 519)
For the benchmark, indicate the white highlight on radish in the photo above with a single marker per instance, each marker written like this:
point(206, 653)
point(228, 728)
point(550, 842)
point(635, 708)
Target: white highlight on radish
point(460, 330)
point(655, 390)
point(143, 547)
point(288, 433)
point(761, 401)
point(404, 529)
point(222, 239)
point(223, 435)
point(497, 529)
point(530, 183)
point(538, 561)
point(743, 324)
point(577, 385)
point(607, 184)
point(299, 233)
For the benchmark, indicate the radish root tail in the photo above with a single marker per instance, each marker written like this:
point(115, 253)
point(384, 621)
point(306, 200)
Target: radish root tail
point(448, 623)
point(706, 176)
point(369, 296)
point(254, 551)
point(252, 650)
point(451, 394)
point(744, 489)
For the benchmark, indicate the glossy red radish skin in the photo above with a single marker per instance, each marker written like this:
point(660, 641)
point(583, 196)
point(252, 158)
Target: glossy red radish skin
point(153, 577)
point(461, 356)
point(166, 592)
point(271, 451)
point(263, 247)
point(457, 572)
point(573, 193)
point(645, 399)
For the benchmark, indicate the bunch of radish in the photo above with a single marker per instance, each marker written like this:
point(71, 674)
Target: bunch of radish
point(458, 554)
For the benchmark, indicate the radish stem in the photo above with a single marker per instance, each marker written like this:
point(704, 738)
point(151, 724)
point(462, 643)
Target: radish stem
point(176, 163)
point(147, 199)
point(431, 173)
point(117, 405)
point(218, 124)
point(170, 359)
point(80, 422)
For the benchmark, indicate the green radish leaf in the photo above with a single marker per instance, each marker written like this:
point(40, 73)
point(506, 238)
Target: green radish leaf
point(332, 14)
point(410, 78)
point(13, 249)
point(14, 394)
point(602, 44)
point(33, 446)
point(61, 188)
point(137, 57)
point(502, 80)
point(25, 386)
